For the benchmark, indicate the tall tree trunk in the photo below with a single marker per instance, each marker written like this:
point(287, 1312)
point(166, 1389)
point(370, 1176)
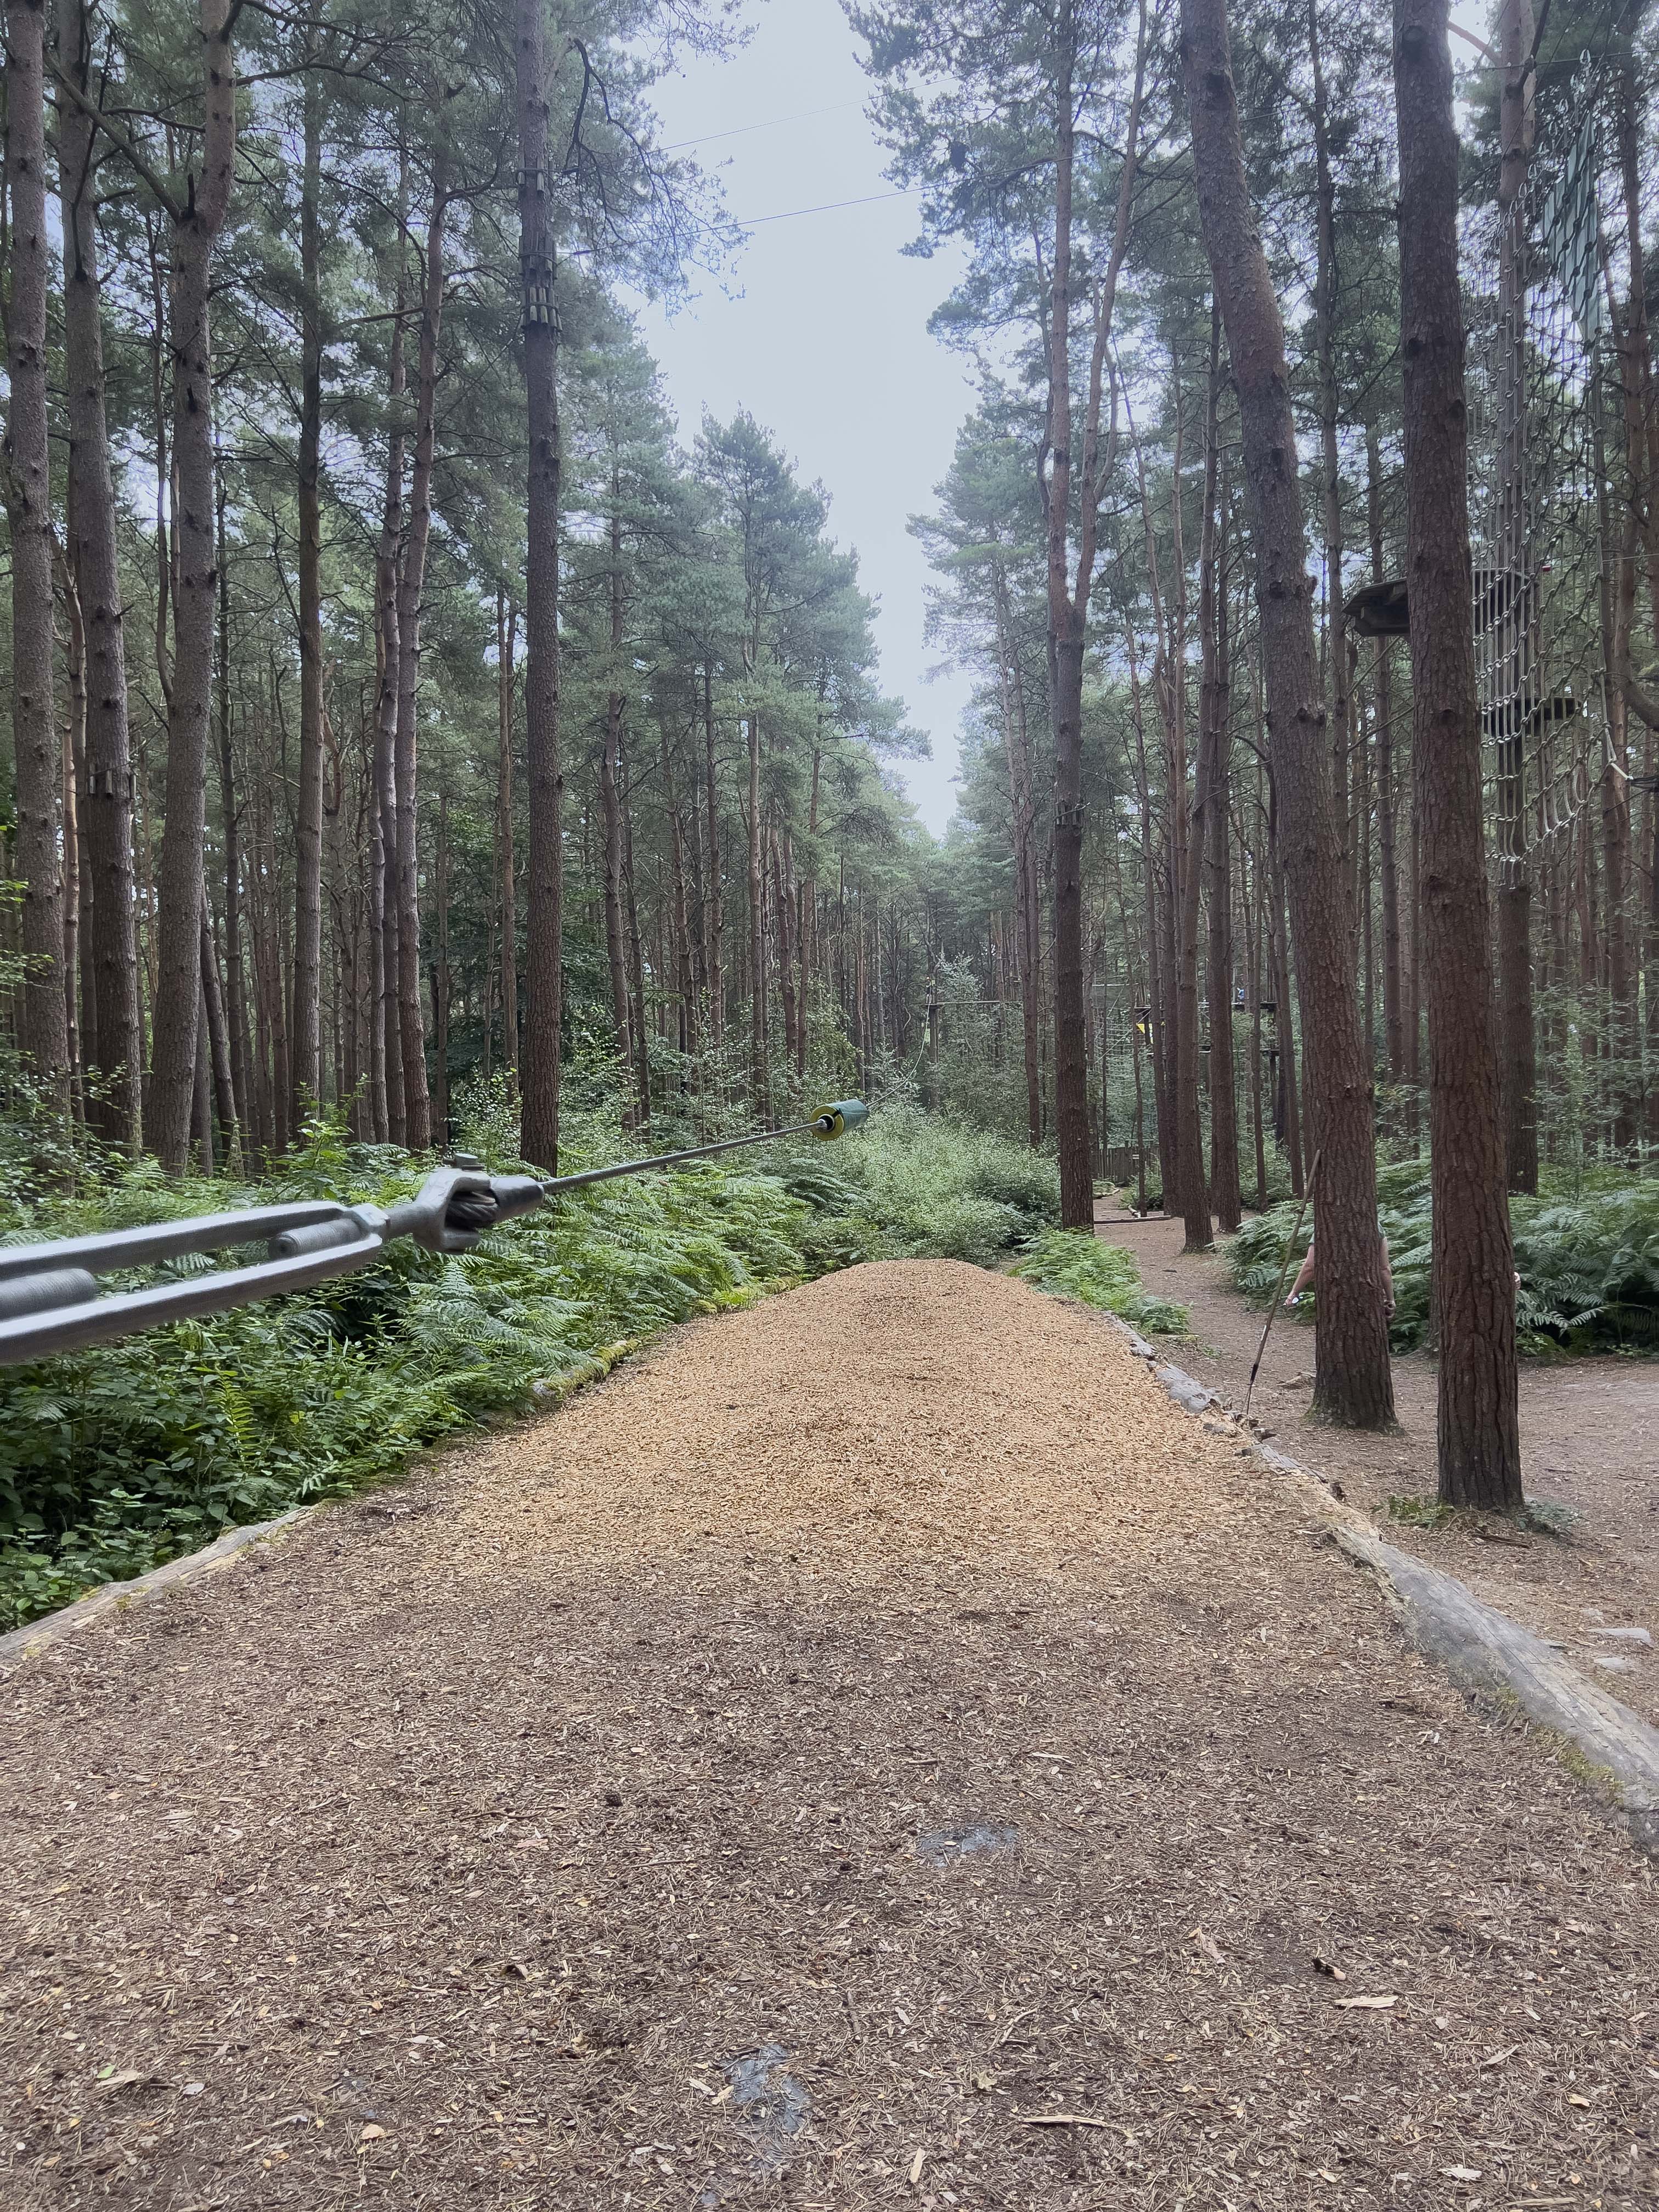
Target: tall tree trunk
point(713, 911)
point(783, 906)
point(542, 980)
point(440, 982)
point(1330, 457)
point(72, 773)
point(42, 1028)
point(1069, 590)
point(642, 1065)
point(1017, 745)
point(345, 910)
point(1156, 1025)
point(1255, 902)
point(680, 934)
point(1067, 641)
point(411, 585)
point(1353, 1382)
point(1473, 1294)
point(218, 1053)
point(806, 901)
point(610, 812)
point(1193, 1187)
point(235, 985)
point(1287, 1104)
point(1517, 1048)
point(1382, 692)
point(1622, 1037)
point(1225, 1195)
point(180, 887)
point(114, 1044)
point(756, 933)
point(201, 1102)
point(305, 1024)
point(506, 623)
point(386, 1049)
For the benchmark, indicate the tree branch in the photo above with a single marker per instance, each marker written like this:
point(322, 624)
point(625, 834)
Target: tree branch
point(117, 138)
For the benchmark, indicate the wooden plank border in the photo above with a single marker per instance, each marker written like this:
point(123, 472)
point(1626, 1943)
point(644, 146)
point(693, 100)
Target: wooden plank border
point(1487, 1654)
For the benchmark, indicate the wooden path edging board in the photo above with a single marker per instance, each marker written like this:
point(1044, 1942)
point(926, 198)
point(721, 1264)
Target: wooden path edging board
point(114, 1597)
point(1487, 1655)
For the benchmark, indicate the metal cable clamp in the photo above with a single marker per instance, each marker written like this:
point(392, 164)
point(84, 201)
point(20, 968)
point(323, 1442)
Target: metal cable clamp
point(51, 1301)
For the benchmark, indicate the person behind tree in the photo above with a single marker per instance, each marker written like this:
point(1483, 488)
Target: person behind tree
point(1305, 1275)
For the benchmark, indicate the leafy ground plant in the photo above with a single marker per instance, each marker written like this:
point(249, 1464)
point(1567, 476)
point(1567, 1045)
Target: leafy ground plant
point(939, 1189)
point(1073, 1264)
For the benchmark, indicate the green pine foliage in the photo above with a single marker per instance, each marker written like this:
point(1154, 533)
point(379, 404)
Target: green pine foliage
point(1072, 1264)
point(1587, 1259)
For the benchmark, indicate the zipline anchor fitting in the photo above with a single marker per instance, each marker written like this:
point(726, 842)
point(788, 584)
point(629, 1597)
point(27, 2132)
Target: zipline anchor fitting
point(50, 1303)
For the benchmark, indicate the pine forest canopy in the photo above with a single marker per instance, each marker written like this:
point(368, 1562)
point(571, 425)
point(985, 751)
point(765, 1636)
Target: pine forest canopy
point(397, 701)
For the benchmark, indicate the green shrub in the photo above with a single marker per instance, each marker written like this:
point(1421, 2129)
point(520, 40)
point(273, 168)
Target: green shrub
point(940, 1189)
point(1074, 1264)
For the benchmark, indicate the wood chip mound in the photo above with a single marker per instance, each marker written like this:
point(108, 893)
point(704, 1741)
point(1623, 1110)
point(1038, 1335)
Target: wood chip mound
point(874, 1748)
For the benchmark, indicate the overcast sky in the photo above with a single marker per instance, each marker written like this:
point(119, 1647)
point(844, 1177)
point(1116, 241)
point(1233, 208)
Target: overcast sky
point(821, 329)
point(823, 336)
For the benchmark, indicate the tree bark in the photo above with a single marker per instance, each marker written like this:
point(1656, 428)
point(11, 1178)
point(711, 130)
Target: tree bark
point(305, 1024)
point(218, 1044)
point(714, 910)
point(440, 982)
point(1518, 1069)
point(1225, 1198)
point(42, 1026)
point(1069, 592)
point(642, 1067)
point(506, 623)
point(761, 1086)
point(685, 987)
point(1155, 1023)
point(411, 585)
point(1389, 869)
point(539, 1137)
point(1066, 636)
point(1477, 1419)
point(1353, 1383)
point(386, 1054)
point(180, 886)
point(784, 908)
point(1017, 745)
point(235, 986)
point(611, 815)
point(1330, 459)
point(72, 773)
point(113, 1044)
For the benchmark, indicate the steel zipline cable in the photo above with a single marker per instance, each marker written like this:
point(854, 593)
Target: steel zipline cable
point(50, 1302)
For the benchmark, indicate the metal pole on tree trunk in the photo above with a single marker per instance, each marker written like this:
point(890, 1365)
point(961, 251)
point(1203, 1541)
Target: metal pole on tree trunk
point(1285, 1270)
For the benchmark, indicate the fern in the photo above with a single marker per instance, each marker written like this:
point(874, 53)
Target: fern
point(1075, 1264)
point(1589, 1267)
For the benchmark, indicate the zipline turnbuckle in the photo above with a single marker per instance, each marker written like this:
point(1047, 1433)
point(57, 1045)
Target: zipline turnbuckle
point(50, 1301)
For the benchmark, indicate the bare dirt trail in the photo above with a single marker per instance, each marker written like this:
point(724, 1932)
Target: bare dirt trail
point(873, 1751)
point(1589, 1440)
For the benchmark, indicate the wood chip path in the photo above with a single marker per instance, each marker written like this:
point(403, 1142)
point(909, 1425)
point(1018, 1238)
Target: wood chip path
point(873, 1751)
